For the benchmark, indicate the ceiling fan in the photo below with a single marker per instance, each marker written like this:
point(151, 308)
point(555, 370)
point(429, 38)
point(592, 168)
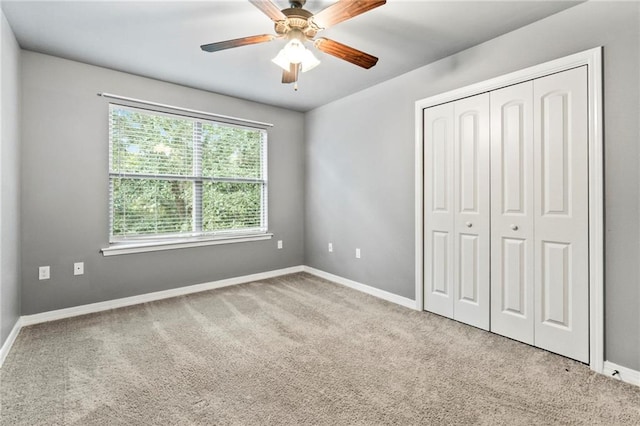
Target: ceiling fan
point(298, 25)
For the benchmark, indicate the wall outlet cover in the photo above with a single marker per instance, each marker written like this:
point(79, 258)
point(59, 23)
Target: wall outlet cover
point(78, 268)
point(44, 273)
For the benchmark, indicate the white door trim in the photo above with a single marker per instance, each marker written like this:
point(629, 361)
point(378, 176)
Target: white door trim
point(593, 59)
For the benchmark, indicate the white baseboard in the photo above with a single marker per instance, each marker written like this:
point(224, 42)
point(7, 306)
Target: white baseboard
point(623, 373)
point(91, 308)
point(382, 294)
point(151, 297)
point(6, 346)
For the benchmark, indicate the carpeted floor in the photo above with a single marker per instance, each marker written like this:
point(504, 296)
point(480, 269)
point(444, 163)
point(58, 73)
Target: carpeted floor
point(293, 350)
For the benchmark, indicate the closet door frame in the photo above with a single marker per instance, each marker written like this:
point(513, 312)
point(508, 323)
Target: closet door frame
point(593, 59)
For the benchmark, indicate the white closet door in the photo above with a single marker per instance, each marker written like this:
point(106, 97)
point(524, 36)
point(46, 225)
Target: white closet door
point(471, 206)
point(561, 214)
point(512, 257)
point(438, 220)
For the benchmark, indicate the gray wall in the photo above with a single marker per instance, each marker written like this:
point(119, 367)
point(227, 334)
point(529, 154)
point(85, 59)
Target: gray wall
point(360, 160)
point(65, 189)
point(9, 180)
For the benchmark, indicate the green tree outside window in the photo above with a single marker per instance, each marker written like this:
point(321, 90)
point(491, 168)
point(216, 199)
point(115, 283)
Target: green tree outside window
point(174, 176)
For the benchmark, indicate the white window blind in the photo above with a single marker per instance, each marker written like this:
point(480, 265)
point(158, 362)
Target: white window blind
point(173, 176)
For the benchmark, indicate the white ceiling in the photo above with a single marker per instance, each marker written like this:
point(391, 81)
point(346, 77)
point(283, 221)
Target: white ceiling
point(161, 40)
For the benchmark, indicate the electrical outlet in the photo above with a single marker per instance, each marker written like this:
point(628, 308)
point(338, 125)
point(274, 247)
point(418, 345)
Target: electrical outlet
point(357, 253)
point(330, 247)
point(78, 268)
point(279, 244)
point(44, 273)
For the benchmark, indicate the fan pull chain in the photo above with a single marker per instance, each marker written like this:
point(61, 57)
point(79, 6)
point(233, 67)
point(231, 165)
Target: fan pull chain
point(295, 86)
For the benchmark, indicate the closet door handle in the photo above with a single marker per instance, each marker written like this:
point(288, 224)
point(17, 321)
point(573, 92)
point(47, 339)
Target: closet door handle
point(514, 227)
point(469, 224)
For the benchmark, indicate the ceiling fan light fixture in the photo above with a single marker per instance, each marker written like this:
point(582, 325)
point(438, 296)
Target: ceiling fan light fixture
point(309, 61)
point(294, 52)
point(282, 60)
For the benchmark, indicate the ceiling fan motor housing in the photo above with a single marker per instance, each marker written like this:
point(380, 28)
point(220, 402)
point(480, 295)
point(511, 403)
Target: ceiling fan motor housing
point(297, 19)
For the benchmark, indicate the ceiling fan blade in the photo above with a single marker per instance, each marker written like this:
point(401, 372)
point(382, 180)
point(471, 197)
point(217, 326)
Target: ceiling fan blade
point(291, 76)
point(270, 9)
point(222, 45)
point(343, 10)
point(345, 52)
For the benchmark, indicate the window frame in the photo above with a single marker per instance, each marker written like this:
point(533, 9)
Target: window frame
point(198, 237)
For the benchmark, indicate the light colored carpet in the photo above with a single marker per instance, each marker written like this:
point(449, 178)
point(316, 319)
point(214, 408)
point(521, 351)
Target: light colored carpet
point(293, 350)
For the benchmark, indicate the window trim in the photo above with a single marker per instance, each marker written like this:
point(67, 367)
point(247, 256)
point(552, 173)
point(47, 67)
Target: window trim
point(130, 247)
point(141, 244)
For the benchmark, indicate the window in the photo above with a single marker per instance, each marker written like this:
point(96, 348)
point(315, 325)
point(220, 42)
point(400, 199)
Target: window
point(178, 177)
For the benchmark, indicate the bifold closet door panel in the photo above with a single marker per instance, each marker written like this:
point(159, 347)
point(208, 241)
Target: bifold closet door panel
point(512, 244)
point(561, 213)
point(471, 211)
point(439, 205)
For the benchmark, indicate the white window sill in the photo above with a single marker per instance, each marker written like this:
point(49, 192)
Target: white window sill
point(116, 249)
